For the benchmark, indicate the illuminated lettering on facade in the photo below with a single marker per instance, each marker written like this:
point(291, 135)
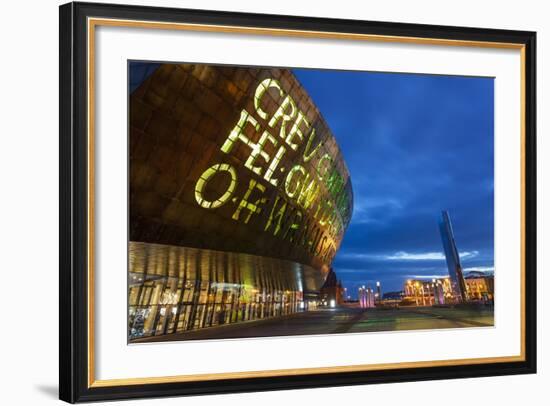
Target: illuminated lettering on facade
point(206, 176)
point(311, 207)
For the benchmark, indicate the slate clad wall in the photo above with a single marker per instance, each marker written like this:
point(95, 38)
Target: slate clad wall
point(179, 119)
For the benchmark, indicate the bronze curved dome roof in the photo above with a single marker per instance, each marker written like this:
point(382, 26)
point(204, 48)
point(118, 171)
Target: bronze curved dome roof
point(238, 160)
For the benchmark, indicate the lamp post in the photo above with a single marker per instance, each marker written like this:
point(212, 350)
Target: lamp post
point(430, 293)
point(362, 297)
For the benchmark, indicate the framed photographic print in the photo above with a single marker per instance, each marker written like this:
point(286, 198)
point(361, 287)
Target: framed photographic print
point(257, 202)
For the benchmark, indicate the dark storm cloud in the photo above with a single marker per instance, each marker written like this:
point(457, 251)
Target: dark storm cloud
point(414, 145)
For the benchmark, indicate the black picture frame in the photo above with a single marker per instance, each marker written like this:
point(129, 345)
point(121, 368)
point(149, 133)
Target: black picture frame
point(74, 384)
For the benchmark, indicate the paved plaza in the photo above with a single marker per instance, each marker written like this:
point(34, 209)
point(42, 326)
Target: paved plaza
point(345, 319)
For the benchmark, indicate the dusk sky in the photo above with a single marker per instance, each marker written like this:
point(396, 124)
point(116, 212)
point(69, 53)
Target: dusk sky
point(414, 145)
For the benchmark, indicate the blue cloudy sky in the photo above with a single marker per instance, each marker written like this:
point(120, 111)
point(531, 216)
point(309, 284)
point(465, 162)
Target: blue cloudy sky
point(414, 145)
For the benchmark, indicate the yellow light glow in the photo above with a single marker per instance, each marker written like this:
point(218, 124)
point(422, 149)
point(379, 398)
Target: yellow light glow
point(253, 208)
point(260, 90)
point(296, 132)
point(290, 176)
point(257, 149)
point(308, 193)
point(205, 177)
point(276, 215)
point(284, 117)
point(320, 172)
point(307, 153)
point(273, 166)
point(237, 132)
point(291, 231)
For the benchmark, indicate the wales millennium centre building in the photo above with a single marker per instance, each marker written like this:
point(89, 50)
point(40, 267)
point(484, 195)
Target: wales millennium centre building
point(238, 197)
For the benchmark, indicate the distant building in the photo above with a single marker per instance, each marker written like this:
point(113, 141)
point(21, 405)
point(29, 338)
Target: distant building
point(332, 292)
point(378, 292)
point(458, 286)
point(366, 297)
point(427, 292)
point(480, 286)
point(392, 299)
point(397, 295)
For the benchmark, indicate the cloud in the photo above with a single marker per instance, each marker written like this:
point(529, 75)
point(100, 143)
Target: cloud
point(488, 269)
point(423, 256)
point(357, 270)
point(377, 202)
point(468, 254)
point(407, 256)
point(428, 276)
